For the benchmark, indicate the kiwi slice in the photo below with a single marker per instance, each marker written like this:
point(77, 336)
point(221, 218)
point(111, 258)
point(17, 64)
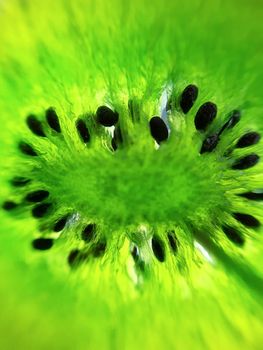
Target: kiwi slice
point(131, 174)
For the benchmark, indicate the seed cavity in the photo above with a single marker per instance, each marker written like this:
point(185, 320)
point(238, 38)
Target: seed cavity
point(19, 181)
point(27, 149)
point(188, 98)
point(83, 131)
point(234, 235)
point(158, 248)
point(159, 130)
point(37, 196)
point(249, 139)
point(41, 210)
point(61, 223)
point(247, 220)
point(35, 125)
point(106, 116)
point(9, 205)
point(209, 143)
point(254, 196)
point(88, 232)
point(173, 241)
point(205, 115)
point(42, 243)
point(52, 119)
point(246, 162)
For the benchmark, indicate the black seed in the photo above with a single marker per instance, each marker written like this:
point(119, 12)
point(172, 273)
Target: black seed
point(173, 241)
point(249, 139)
point(83, 130)
point(42, 243)
point(254, 196)
point(52, 119)
point(99, 249)
point(234, 118)
point(106, 116)
point(35, 125)
point(158, 129)
point(188, 98)
point(234, 235)
point(158, 248)
point(27, 149)
point(61, 223)
point(88, 232)
point(9, 205)
point(205, 115)
point(246, 162)
point(77, 257)
point(40, 210)
point(247, 220)
point(74, 257)
point(19, 181)
point(209, 143)
point(37, 196)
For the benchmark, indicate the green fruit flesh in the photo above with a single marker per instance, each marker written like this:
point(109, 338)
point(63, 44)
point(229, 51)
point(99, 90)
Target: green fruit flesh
point(116, 237)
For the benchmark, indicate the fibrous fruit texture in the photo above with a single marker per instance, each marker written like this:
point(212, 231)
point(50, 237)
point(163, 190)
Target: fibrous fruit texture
point(131, 174)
